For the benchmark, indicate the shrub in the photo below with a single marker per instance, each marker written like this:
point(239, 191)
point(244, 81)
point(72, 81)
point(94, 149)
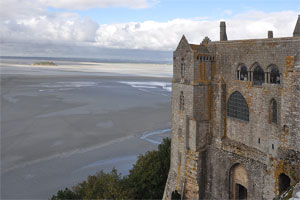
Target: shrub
point(146, 180)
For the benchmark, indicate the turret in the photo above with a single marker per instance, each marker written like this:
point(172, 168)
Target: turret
point(297, 28)
point(223, 35)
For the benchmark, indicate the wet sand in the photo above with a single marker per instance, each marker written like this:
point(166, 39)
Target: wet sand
point(59, 127)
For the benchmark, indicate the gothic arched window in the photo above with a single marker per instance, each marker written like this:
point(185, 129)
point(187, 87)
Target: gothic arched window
point(244, 73)
point(274, 75)
point(258, 76)
point(274, 111)
point(237, 107)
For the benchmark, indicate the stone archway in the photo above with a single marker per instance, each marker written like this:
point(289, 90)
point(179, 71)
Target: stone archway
point(238, 182)
point(284, 182)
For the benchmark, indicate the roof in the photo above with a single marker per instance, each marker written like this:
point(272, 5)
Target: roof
point(200, 48)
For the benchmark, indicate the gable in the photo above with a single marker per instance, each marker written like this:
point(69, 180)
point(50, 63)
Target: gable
point(183, 44)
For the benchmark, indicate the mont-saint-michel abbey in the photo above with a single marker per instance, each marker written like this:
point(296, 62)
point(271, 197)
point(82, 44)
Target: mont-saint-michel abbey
point(235, 117)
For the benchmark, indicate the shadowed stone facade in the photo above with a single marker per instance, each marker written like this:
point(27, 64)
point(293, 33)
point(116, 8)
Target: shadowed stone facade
point(235, 118)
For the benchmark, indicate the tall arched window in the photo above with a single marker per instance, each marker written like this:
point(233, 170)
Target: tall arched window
point(182, 68)
point(274, 75)
point(274, 111)
point(181, 101)
point(244, 73)
point(258, 76)
point(237, 107)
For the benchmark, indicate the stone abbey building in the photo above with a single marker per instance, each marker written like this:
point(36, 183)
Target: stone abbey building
point(235, 118)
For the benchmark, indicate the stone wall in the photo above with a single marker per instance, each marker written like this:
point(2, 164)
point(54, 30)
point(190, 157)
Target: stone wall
point(207, 144)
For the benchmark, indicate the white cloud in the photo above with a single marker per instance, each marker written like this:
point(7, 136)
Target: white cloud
point(29, 21)
point(165, 35)
point(61, 28)
point(87, 4)
point(10, 9)
point(150, 34)
point(255, 24)
point(227, 12)
point(16, 9)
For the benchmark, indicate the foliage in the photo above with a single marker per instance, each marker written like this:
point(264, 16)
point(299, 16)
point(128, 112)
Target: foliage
point(149, 175)
point(146, 180)
point(65, 194)
point(103, 186)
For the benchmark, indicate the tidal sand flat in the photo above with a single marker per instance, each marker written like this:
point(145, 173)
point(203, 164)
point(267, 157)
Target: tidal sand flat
point(61, 123)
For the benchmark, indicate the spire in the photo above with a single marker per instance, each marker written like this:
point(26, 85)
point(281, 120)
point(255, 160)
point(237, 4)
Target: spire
point(223, 35)
point(183, 38)
point(297, 28)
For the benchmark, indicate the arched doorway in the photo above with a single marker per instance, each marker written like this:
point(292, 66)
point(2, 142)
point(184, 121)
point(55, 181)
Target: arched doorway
point(238, 182)
point(284, 182)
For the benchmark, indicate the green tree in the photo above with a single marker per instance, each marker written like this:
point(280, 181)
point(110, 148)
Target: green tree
point(148, 176)
point(65, 194)
point(103, 186)
point(146, 180)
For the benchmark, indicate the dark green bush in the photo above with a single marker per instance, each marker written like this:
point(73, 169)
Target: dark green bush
point(146, 180)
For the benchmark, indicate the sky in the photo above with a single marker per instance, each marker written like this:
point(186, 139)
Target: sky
point(128, 28)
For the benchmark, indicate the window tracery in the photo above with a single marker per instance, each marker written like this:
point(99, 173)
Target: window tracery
point(237, 107)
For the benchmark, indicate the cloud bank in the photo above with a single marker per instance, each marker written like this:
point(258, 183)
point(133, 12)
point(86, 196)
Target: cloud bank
point(87, 4)
point(165, 35)
point(29, 22)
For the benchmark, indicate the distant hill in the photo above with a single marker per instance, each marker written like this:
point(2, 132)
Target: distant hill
point(45, 63)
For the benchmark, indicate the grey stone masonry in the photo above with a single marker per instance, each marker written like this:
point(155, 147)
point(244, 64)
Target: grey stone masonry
point(223, 34)
point(297, 28)
point(235, 118)
point(270, 34)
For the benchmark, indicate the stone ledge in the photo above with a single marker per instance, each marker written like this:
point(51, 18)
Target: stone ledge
point(244, 150)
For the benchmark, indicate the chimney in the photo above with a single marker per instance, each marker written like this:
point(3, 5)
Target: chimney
point(270, 34)
point(223, 35)
point(297, 28)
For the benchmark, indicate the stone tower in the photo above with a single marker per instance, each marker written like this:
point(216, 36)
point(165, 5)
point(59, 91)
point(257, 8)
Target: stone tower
point(235, 118)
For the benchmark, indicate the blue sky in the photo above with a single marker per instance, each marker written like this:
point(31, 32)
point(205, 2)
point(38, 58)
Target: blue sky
point(52, 27)
point(166, 10)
